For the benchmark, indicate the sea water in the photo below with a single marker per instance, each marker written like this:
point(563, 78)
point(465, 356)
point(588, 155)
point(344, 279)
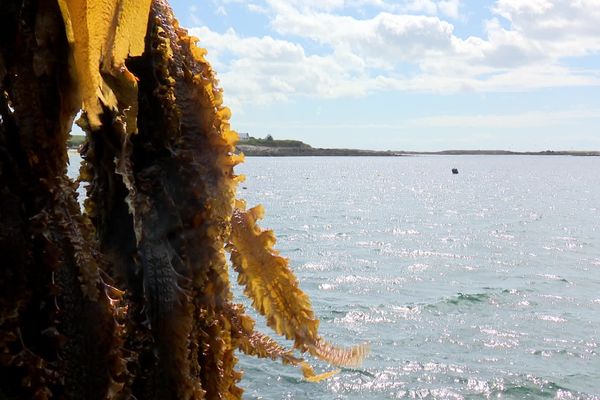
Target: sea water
point(484, 284)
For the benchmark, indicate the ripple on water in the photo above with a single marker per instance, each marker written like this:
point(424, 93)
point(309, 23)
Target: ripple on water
point(459, 301)
point(375, 315)
point(415, 380)
point(551, 318)
point(507, 339)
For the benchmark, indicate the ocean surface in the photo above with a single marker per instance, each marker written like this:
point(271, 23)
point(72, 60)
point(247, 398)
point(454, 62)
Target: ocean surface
point(484, 284)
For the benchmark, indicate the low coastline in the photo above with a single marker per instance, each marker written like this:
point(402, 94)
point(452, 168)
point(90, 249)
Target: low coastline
point(265, 151)
point(299, 149)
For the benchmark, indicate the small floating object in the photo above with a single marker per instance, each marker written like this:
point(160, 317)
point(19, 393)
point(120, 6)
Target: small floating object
point(455, 171)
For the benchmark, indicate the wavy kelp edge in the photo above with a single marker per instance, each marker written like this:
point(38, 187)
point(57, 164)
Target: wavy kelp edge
point(270, 283)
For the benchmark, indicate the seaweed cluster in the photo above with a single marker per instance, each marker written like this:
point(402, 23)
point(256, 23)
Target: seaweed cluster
point(131, 298)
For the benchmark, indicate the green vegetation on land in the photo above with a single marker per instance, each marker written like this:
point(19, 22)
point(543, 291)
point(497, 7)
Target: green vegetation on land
point(270, 142)
point(75, 141)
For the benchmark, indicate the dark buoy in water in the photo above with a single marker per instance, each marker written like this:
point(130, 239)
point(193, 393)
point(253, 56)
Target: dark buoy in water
point(455, 171)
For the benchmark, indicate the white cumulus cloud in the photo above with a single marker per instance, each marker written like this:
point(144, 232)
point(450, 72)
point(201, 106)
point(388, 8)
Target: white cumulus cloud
point(405, 46)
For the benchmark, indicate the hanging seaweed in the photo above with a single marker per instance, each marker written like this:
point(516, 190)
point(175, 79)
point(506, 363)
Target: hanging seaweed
point(132, 298)
point(58, 335)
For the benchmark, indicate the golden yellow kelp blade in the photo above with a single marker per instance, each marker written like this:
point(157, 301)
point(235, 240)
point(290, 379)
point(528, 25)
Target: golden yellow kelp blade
point(102, 34)
point(273, 288)
point(258, 344)
point(310, 376)
point(269, 281)
point(345, 357)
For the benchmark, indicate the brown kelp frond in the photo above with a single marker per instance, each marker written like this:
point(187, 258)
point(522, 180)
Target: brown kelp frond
point(344, 357)
point(178, 171)
point(262, 346)
point(268, 280)
point(273, 288)
point(205, 155)
point(254, 343)
point(258, 344)
point(61, 339)
point(216, 356)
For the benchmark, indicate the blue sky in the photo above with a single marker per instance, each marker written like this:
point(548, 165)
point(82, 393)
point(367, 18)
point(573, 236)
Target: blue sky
point(407, 74)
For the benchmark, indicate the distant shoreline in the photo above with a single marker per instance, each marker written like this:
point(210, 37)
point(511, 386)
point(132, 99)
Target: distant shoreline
point(264, 151)
point(290, 148)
